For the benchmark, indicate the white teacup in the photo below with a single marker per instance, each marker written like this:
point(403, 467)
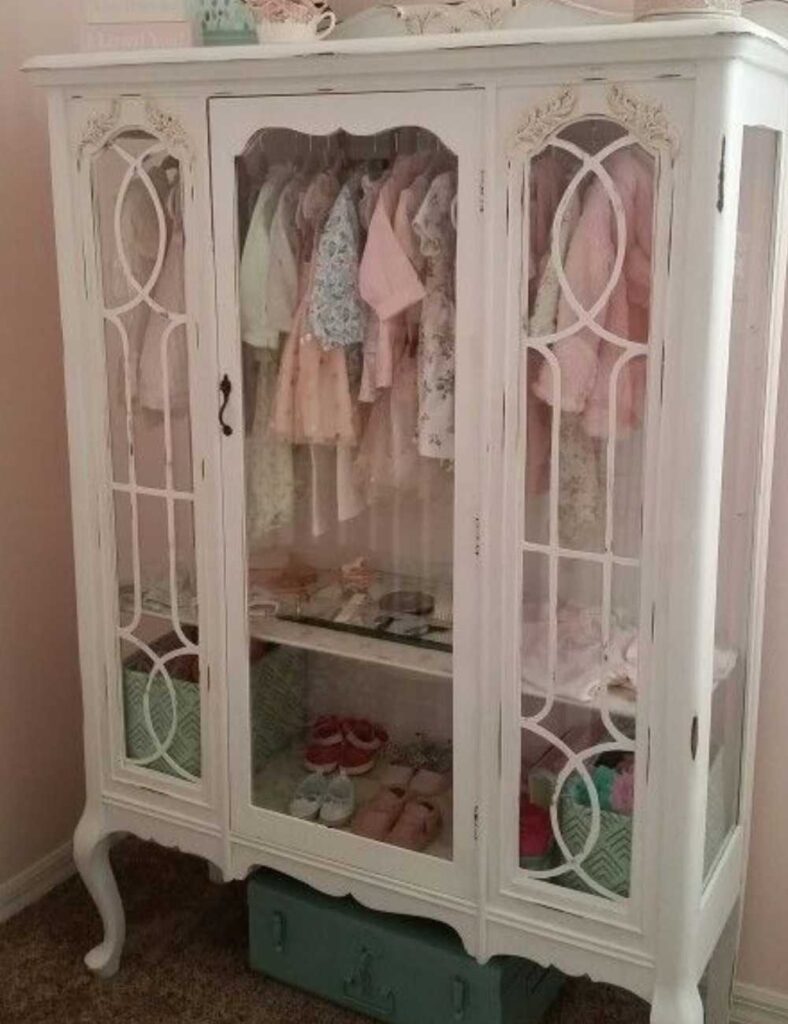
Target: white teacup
point(296, 31)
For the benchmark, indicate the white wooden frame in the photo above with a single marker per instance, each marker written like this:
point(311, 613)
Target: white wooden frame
point(730, 73)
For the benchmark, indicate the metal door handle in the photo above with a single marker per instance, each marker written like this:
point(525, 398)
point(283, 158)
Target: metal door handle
point(359, 988)
point(278, 931)
point(458, 998)
point(225, 390)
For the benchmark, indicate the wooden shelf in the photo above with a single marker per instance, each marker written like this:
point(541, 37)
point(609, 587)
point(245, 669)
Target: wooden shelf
point(274, 785)
point(373, 650)
point(619, 704)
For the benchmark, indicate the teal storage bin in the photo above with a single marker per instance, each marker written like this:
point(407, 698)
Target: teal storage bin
point(391, 968)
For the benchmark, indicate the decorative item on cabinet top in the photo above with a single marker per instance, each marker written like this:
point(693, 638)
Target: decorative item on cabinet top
point(291, 21)
point(646, 121)
point(98, 12)
point(478, 16)
point(673, 8)
point(232, 21)
point(148, 24)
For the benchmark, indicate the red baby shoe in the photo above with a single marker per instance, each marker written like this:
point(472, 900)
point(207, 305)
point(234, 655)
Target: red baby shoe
point(363, 741)
point(325, 745)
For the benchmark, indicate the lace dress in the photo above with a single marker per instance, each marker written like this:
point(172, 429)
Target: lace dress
point(438, 240)
point(268, 460)
point(581, 477)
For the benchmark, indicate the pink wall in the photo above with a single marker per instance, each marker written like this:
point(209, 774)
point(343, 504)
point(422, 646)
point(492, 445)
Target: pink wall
point(40, 713)
point(41, 787)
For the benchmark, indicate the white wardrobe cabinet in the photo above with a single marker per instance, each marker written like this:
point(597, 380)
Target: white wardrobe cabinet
point(421, 405)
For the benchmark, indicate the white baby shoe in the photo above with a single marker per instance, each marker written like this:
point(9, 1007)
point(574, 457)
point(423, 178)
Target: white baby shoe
point(339, 802)
point(308, 798)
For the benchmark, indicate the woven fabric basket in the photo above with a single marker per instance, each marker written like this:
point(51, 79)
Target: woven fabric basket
point(186, 746)
point(277, 679)
point(610, 860)
point(278, 702)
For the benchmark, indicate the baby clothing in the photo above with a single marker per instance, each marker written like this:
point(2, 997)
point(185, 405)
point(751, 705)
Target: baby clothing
point(581, 667)
point(156, 306)
point(332, 280)
point(312, 404)
point(337, 315)
point(256, 329)
point(387, 280)
point(438, 238)
point(282, 282)
point(163, 378)
point(268, 460)
point(587, 361)
point(581, 479)
point(409, 203)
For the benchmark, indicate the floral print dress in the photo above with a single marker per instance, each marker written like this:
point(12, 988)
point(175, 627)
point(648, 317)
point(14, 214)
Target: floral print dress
point(438, 238)
point(312, 404)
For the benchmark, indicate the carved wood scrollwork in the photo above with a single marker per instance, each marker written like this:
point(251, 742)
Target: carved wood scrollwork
point(168, 127)
point(542, 121)
point(101, 124)
point(98, 127)
point(647, 121)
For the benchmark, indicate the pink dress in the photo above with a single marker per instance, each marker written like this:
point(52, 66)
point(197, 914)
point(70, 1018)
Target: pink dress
point(389, 457)
point(312, 404)
point(410, 201)
point(387, 280)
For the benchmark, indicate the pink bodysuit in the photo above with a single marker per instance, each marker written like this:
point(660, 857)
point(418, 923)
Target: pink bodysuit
point(387, 280)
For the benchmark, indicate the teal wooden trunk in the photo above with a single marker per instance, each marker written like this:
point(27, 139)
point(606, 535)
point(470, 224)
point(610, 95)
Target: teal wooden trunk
point(391, 968)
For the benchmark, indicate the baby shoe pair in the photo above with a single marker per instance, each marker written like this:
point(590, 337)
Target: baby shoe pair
point(395, 815)
point(418, 781)
point(350, 744)
point(332, 802)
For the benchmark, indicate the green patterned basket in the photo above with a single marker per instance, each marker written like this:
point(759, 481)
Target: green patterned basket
point(609, 862)
point(278, 701)
point(183, 752)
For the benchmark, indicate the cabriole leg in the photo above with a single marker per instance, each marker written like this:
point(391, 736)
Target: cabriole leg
point(91, 856)
point(677, 1006)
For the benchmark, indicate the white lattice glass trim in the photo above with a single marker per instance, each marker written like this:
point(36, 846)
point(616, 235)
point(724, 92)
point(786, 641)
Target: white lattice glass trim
point(581, 598)
point(138, 201)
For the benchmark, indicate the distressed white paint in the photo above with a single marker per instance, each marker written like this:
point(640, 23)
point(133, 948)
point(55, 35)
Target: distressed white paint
point(474, 91)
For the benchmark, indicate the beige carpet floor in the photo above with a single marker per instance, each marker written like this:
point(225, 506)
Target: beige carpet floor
point(185, 959)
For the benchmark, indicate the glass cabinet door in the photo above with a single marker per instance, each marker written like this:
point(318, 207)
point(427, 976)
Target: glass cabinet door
point(584, 229)
point(745, 415)
point(138, 242)
point(349, 330)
